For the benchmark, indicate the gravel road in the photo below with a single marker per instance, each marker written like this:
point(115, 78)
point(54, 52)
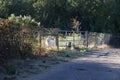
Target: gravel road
point(104, 65)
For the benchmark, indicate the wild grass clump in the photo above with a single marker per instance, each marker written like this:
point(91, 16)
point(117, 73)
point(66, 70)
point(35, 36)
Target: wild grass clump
point(73, 53)
point(40, 51)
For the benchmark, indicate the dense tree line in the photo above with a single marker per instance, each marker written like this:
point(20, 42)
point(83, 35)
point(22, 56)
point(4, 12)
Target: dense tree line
point(92, 15)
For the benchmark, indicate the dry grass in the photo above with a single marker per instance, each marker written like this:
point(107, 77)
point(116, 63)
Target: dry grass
point(98, 46)
point(46, 59)
point(40, 51)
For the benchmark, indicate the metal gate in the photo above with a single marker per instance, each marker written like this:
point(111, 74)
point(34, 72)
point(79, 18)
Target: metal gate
point(77, 39)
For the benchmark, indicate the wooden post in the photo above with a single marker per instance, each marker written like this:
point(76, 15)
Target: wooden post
point(73, 39)
point(80, 38)
point(66, 36)
point(86, 34)
point(57, 42)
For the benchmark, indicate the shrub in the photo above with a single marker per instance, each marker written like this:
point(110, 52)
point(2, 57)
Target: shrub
point(4, 39)
point(40, 51)
point(16, 36)
point(24, 28)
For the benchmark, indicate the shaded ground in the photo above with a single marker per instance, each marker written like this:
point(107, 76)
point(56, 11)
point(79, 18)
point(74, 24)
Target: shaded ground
point(65, 65)
point(103, 65)
point(21, 68)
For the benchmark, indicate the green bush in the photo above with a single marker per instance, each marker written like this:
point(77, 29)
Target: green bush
point(16, 36)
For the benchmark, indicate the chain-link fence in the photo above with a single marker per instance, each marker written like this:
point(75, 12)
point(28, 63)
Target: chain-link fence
point(88, 39)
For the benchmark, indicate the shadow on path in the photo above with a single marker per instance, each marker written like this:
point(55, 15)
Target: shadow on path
point(82, 69)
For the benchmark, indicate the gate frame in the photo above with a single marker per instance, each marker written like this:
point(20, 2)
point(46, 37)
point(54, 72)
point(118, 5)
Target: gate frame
point(52, 32)
point(73, 36)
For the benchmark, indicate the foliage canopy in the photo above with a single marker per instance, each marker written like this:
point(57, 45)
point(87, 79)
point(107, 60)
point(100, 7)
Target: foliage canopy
point(94, 15)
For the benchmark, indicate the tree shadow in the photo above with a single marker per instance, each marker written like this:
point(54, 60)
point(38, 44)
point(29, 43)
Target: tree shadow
point(115, 41)
point(81, 69)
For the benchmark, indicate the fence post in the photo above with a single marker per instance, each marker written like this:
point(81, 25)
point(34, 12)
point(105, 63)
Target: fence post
point(80, 38)
point(66, 36)
point(73, 39)
point(86, 35)
point(57, 41)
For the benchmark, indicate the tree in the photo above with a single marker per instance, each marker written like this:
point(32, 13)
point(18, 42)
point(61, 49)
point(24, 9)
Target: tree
point(22, 7)
point(94, 15)
point(4, 8)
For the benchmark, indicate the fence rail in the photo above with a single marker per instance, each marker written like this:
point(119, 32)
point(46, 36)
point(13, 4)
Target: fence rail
point(84, 38)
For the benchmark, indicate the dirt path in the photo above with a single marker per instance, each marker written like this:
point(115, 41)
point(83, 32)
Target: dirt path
point(99, 66)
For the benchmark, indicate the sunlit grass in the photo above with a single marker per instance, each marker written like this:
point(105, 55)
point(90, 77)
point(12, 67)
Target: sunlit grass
point(73, 53)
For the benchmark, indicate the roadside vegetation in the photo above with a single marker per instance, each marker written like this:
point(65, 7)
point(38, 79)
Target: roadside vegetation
point(16, 69)
point(20, 21)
